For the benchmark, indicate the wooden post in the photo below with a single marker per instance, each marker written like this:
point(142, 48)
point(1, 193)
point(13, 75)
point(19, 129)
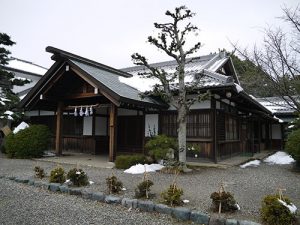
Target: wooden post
point(58, 137)
point(214, 130)
point(259, 135)
point(112, 132)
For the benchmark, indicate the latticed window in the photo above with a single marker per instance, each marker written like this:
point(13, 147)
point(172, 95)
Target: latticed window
point(198, 124)
point(231, 128)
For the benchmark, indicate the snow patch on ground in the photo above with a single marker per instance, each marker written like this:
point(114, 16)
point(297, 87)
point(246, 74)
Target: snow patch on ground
point(253, 163)
point(21, 126)
point(280, 158)
point(290, 206)
point(139, 168)
point(91, 182)
point(185, 201)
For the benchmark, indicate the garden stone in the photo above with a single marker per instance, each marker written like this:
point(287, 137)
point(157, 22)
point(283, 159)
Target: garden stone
point(181, 213)
point(246, 222)
point(41, 184)
point(64, 189)
point(87, 194)
point(112, 199)
point(147, 206)
point(11, 178)
point(199, 217)
point(161, 208)
point(231, 222)
point(54, 187)
point(21, 180)
point(30, 182)
point(217, 221)
point(98, 196)
point(74, 191)
point(129, 203)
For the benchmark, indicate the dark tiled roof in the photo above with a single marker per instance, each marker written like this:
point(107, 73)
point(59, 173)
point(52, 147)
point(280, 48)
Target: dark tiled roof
point(112, 82)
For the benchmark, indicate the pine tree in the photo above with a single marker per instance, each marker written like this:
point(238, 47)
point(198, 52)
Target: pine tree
point(8, 99)
point(172, 39)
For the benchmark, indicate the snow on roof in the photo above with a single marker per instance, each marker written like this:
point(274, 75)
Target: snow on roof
point(207, 65)
point(276, 105)
point(27, 66)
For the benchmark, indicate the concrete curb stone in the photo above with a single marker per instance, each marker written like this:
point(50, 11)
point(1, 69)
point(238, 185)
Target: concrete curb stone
point(199, 217)
point(231, 222)
point(75, 191)
point(54, 187)
point(112, 199)
point(64, 189)
point(161, 208)
point(98, 196)
point(147, 206)
point(181, 213)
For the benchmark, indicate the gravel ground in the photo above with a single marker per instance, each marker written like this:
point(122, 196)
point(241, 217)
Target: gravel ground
point(23, 204)
point(248, 185)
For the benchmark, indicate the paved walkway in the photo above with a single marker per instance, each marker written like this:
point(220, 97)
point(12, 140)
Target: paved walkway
point(101, 161)
point(98, 161)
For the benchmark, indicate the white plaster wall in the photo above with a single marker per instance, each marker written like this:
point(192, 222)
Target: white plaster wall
point(276, 131)
point(151, 122)
point(197, 105)
point(101, 126)
point(127, 112)
point(32, 113)
point(47, 113)
point(87, 125)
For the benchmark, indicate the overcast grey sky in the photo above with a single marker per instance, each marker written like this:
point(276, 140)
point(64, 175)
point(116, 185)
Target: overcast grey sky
point(110, 31)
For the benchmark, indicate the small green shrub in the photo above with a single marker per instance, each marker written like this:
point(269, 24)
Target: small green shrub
point(228, 203)
point(113, 185)
point(293, 145)
point(275, 213)
point(126, 161)
point(143, 189)
point(39, 172)
point(172, 196)
point(159, 146)
point(57, 175)
point(28, 143)
point(78, 177)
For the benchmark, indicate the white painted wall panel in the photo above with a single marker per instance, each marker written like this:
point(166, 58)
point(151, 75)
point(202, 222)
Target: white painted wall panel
point(151, 123)
point(87, 125)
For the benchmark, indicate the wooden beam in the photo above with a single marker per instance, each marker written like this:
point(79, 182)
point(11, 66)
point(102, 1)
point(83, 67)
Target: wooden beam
point(112, 132)
point(58, 136)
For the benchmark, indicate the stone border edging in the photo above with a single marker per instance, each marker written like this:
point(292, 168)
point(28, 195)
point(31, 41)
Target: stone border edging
point(180, 213)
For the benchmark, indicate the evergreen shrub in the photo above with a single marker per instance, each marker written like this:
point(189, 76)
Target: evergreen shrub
point(28, 143)
point(293, 145)
point(126, 161)
point(57, 175)
point(275, 213)
point(159, 146)
point(78, 177)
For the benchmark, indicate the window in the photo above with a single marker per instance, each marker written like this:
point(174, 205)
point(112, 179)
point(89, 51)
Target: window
point(198, 124)
point(231, 128)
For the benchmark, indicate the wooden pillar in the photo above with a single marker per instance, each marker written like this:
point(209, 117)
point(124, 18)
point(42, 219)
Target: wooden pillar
point(252, 136)
point(112, 132)
point(144, 134)
point(259, 135)
point(59, 121)
point(271, 136)
point(214, 130)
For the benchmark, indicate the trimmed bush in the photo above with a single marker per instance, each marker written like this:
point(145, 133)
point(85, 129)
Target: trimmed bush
point(57, 175)
point(159, 146)
point(172, 196)
point(293, 145)
point(126, 161)
point(39, 172)
point(78, 177)
point(143, 189)
point(113, 185)
point(228, 203)
point(28, 143)
point(275, 213)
